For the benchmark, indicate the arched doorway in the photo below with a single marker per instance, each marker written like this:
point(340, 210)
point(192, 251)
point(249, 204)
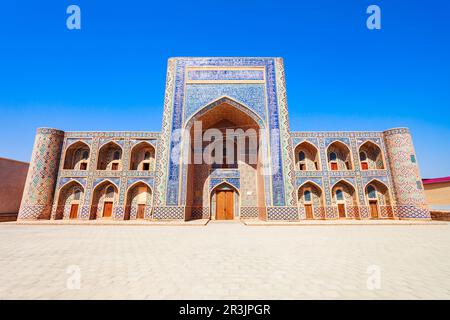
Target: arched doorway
point(224, 202)
point(69, 200)
point(345, 200)
point(138, 201)
point(224, 141)
point(103, 200)
point(378, 199)
point(310, 199)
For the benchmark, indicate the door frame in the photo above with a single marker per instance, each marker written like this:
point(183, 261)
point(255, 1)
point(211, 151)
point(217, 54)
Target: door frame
point(374, 201)
point(237, 211)
point(75, 203)
point(103, 209)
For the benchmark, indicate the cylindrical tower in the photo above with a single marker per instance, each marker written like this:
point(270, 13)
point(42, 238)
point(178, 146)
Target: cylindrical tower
point(408, 188)
point(39, 189)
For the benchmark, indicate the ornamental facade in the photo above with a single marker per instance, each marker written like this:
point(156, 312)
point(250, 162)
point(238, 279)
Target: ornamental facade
point(283, 175)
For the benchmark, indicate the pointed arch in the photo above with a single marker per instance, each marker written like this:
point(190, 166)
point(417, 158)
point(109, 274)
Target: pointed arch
point(69, 182)
point(138, 203)
point(74, 156)
point(345, 199)
point(382, 190)
point(98, 200)
point(137, 182)
point(311, 182)
point(343, 154)
point(375, 156)
point(311, 161)
point(220, 101)
point(106, 180)
point(345, 181)
point(137, 160)
point(106, 159)
point(375, 180)
point(223, 183)
point(110, 142)
point(66, 200)
point(313, 205)
point(213, 199)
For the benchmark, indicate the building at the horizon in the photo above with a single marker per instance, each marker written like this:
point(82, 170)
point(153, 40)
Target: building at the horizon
point(296, 175)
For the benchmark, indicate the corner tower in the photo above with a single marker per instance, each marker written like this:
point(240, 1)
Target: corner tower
point(408, 188)
point(39, 189)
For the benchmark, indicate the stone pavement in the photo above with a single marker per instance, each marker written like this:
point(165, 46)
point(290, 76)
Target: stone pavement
point(224, 261)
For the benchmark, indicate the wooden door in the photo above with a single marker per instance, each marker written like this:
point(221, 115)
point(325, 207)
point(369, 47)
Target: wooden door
point(115, 166)
point(373, 209)
point(73, 211)
point(141, 211)
point(309, 211)
point(364, 166)
point(341, 210)
point(334, 166)
point(224, 205)
point(107, 209)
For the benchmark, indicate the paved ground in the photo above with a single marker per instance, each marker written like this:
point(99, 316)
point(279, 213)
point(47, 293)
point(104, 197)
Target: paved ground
point(224, 261)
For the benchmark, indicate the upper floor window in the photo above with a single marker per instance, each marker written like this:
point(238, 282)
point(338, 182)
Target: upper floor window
point(339, 195)
point(307, 195)
point(362, 156)
point(109, 192)
point(333, 156)
point(147, 155)
point(77, 194)
point(413, 158)
point(301, 156)
point(371, 192)
point(116, 155)
point(85, 155)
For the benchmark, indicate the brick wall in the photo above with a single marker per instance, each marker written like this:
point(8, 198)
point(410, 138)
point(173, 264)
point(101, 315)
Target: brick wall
point(12, 181)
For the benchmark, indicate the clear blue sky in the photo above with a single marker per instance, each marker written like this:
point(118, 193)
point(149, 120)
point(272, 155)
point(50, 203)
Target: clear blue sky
point(340, 76)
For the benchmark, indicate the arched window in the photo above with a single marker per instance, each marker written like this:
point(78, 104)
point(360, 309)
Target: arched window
point(301, 156)
point(147, 155)
point(116, 155)
point(85, 155)
point(307, 195)
point(333, 156)
point(76, 194)
point(362, 156)
point(371, 192)
point(339, 195)
point(109, 192)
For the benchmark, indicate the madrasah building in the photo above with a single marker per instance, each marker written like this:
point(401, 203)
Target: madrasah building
point(296, 175)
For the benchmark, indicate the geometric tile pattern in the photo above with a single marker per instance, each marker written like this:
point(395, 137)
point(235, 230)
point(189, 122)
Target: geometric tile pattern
point(178, 107)
point(40, 184)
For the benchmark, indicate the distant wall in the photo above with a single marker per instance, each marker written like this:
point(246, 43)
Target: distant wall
point(12, 181)
point(438, 195)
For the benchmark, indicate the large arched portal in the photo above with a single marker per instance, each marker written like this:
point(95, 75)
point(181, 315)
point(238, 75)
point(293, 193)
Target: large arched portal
point(224, 145)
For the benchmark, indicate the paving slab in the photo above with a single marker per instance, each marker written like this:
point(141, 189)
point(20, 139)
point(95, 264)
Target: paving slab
point(224, 261)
